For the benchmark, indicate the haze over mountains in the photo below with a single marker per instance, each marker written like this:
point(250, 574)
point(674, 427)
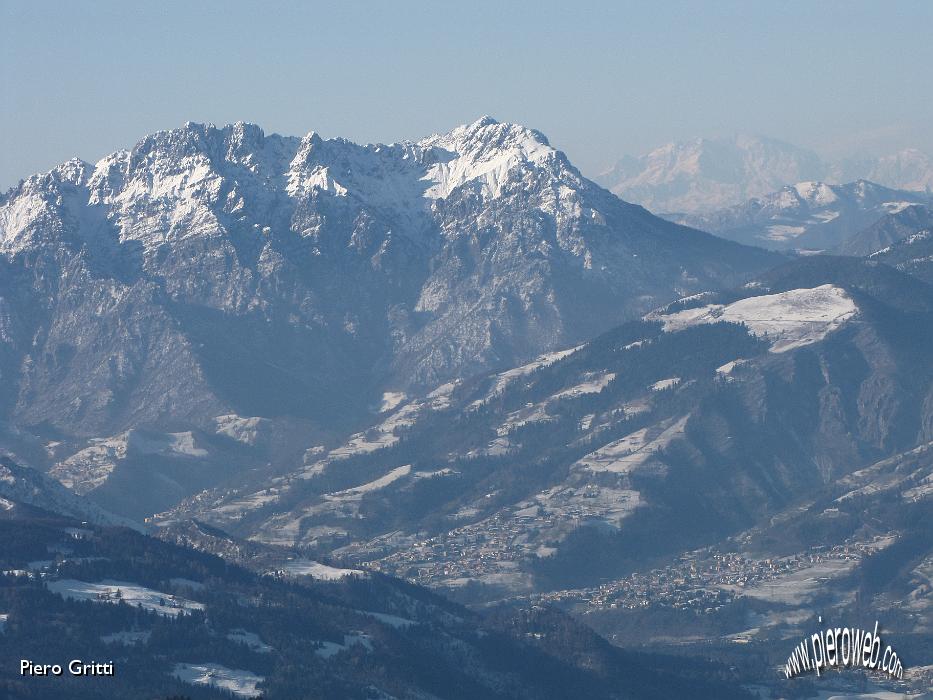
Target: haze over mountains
point(703, 175)
point(458, 361)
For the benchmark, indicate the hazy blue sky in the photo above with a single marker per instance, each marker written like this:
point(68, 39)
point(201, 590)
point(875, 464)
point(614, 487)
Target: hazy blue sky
point(601, 79)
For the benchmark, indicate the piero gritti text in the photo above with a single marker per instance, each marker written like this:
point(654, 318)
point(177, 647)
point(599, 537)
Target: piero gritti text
point(75, 667)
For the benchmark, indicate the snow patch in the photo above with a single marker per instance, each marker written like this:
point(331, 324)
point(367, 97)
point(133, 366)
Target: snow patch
point(789, 319)
point(504, 379)
point(665, 384)
point(624, 455)
point(113, 592)
point(244, 430)
point(308, 567)
point(375, 484)
point(391, 400)
point(593, 385)
point(241, 683)
point(727, 369)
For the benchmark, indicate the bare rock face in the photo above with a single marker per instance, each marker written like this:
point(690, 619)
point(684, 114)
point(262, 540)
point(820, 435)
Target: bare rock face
point(211, 272)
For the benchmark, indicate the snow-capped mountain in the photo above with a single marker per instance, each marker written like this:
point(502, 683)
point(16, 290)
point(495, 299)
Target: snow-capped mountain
point(213, 272)
point(704, 175)
point(807, 215)
point(707, 174)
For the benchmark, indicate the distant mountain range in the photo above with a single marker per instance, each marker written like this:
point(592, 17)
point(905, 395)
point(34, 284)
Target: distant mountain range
point(813, 216)
point(703, 175)
point(212, 286)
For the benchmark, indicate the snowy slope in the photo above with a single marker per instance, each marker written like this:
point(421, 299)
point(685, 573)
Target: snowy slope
point(789, 320)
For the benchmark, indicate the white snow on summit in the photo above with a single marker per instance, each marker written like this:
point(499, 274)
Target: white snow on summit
point(484, 150)
point(789, 319)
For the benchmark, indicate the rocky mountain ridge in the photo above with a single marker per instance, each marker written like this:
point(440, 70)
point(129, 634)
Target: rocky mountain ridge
point(222, 273)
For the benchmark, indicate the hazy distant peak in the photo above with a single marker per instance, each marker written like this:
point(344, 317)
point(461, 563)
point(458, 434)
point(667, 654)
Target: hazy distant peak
point(702, 175)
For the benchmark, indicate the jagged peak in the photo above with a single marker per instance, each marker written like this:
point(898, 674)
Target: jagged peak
point(489, 132)
point(486, 120)
point(73, 171)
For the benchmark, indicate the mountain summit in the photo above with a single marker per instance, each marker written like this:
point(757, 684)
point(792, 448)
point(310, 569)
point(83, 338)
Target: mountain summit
point(216, 271)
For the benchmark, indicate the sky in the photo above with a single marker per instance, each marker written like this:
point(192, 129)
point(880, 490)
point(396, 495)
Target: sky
point(600, 79)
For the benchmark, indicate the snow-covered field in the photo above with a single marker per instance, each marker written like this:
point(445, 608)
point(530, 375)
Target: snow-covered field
point(533, 413)
point(391, 400)
point(505, 378)
point(308, 567)
point(537, 412)
point(663, 384)
point(789, 319)
point(728, 368)
point(623, 455)
point(375, 484)
point(241, 683)
point(113, 592)
point(383, 435)
point(592, 385)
